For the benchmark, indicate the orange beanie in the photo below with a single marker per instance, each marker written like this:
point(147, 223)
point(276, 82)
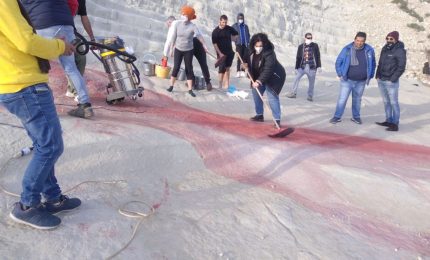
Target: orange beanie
point(189, 12)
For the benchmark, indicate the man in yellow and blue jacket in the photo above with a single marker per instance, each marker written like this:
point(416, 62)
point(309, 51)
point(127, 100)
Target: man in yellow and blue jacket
point(24, 92)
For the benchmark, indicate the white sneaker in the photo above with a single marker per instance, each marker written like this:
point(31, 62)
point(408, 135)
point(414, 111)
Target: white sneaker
point(76, 98)
point(238, 74)
point(243, 74)
point(70, 94)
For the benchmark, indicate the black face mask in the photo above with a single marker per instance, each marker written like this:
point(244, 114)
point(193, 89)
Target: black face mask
point(389, 45)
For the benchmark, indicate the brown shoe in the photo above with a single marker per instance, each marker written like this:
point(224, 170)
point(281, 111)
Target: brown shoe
point(209, 86)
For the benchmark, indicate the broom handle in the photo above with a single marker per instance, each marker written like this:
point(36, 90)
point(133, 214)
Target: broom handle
point(213, 56)
point(258, 91)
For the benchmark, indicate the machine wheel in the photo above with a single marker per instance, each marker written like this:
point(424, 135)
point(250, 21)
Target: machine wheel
point(110, 102)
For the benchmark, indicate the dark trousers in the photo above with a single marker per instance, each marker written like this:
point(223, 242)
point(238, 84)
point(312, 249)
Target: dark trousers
point(200, 54)
point(243, 51)
point(187, 56)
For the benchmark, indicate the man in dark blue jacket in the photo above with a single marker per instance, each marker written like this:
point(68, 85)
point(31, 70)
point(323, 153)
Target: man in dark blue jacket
point(53, 19)
point(392, 64)
point(355, 66)
point(242, 42)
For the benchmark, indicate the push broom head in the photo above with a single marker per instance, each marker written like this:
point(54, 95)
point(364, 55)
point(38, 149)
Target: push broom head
point(282, 133)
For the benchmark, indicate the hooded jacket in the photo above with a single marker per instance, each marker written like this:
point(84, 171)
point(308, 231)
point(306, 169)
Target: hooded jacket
point(272, 73)
point(236, 26)
point(392, 62)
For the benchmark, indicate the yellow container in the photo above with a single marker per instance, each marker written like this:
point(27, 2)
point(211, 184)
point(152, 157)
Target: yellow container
point(162, 72)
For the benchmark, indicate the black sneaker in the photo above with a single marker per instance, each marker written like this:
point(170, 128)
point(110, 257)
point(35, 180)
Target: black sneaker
point(356, 120)
point(64, 203)
point(36, 217)
point(335, 120)
point(191, 93)
point(257, 118)
point(170, 89)
point(393, 128)
point(386, 124)
point(83, 111)
point(310, 99)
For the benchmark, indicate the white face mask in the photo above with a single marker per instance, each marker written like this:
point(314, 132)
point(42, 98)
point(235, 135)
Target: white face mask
point(308, 41)
point(184, 18)
point(258, 50)
point(240, 20)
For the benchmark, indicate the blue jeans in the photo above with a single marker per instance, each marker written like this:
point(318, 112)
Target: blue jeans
point(68, 62)
point(390, 96)
point(346, 87)
point(311, 77)
point(34, 106)
point(274, 103)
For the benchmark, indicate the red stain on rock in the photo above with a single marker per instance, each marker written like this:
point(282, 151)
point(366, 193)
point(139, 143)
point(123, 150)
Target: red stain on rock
point(235, 148)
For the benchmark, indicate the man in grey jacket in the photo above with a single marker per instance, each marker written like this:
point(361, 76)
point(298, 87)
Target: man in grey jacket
point(242, 42)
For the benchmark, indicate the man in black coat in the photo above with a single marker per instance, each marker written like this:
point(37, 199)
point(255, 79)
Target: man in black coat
point(308, 61)
point(392, 64)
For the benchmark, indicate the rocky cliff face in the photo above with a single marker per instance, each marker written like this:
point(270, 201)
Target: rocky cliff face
point(333, 23)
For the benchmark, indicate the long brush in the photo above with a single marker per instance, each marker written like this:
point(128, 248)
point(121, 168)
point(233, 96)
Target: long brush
point(281, 133)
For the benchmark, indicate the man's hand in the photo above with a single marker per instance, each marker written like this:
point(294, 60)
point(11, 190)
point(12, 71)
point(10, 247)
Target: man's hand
point(256, 84)
point(69, 48)
point(244, 66)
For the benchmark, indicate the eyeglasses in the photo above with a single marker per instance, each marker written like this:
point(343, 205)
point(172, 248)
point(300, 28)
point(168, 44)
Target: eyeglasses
point(309, 38)
point(389, 39)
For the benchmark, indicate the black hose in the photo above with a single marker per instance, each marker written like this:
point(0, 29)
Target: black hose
point(86, 44)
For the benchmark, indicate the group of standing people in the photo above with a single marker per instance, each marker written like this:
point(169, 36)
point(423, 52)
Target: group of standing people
point(355, 66)
point(185, 40)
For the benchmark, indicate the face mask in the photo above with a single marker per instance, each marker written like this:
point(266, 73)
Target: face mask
point(258, 50)
point(240, 20)
point(184, 18)
point(308, 41)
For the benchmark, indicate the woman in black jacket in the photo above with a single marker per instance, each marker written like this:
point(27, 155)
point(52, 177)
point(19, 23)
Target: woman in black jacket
point(267, 73)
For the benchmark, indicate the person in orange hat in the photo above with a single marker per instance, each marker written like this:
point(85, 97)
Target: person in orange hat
point(199, 54)
point(180, 35)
